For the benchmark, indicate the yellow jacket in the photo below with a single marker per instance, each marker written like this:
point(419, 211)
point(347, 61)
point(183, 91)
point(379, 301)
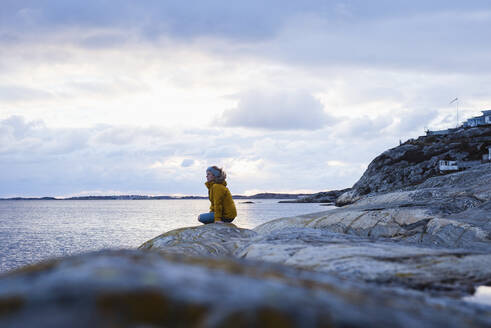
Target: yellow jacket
point(221, 200)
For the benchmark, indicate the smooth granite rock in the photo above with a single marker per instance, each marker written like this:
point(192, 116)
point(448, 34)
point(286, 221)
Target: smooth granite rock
point(403, 246)
point(411, 225)
point(154, 289)
point(221, 239)
point(452, 210)
point(313, 242)
point(436, 270)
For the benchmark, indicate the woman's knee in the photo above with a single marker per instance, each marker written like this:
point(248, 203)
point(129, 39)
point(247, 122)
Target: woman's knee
point(206, 218)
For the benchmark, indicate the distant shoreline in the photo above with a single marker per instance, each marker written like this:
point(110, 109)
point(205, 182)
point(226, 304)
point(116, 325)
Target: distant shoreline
point(143, 197)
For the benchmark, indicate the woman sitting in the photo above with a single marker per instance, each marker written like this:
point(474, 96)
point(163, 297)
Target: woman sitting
point(222, 207)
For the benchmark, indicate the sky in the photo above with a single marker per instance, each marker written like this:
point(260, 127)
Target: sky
point(140, 97)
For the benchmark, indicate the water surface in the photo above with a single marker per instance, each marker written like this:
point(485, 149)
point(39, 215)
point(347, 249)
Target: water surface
point(39, 229)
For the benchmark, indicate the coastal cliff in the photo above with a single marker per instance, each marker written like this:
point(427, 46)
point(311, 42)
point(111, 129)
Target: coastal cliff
point(407, 252)
point(416, 160)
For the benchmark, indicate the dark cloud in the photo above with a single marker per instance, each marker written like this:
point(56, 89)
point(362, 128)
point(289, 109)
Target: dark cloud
point(451, 41)
point(277, 111)
point(437, 35)
point(154, 18)
point(251, 19)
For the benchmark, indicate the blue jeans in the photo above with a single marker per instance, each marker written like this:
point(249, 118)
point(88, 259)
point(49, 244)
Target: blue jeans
point(210, 218)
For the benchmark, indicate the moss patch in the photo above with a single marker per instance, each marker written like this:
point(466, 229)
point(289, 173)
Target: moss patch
point(147, 307)
point(262, 317)
point(10, 305)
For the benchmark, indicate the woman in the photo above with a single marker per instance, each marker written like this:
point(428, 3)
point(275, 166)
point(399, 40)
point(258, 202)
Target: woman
point(222, 207)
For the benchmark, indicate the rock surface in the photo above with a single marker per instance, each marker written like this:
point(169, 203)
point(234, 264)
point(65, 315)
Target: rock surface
point(320, 197)
point(435, 270)
point(415, 161)
point(152, 289)
point(212, 239)
point(451, 210)
point(317, 243)
point(436, 237)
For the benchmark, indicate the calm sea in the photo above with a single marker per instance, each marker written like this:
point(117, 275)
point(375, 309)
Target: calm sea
point(35, 230)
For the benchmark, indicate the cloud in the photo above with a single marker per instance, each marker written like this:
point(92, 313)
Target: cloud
point(414, 120)
point(17, 127)
point(31, 140)
point(315, 32)
point(105, 39)
point(400, 124)
point(281, 110)
point(36, 159)
point(363, 127)
point(39, 160)
point(15, 93)
point(127, 135)
point(394, 40)
point(153, 19)
point(187, 162)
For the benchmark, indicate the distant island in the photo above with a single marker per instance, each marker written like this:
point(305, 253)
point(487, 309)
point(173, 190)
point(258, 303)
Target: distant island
point(145, 197)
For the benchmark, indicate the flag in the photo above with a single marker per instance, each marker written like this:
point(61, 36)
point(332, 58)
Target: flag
point(454, 100)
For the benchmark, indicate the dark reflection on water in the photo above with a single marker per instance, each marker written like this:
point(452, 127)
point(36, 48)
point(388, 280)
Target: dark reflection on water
point(34, 230)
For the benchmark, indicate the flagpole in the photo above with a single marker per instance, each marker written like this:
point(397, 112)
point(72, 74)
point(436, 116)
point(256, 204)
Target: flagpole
point(456, 100)
point(457, 114)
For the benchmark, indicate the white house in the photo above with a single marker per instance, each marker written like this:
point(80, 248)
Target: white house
point(484, 119)
point(447, 166)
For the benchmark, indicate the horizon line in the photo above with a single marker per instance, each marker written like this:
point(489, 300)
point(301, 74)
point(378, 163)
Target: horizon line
point(143, 196)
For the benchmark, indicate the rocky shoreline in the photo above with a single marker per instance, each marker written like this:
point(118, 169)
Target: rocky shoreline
point(400, 255)
point(416, 160)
